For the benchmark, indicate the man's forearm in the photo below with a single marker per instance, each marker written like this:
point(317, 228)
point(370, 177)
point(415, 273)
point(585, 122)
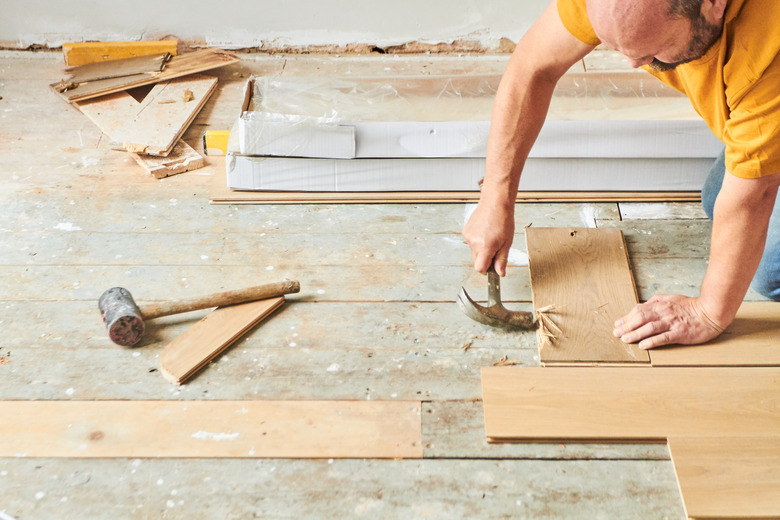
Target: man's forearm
point(739, 232)
point(519, 111)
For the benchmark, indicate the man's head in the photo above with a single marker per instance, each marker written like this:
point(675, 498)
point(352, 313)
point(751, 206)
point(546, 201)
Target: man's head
point(661, 33)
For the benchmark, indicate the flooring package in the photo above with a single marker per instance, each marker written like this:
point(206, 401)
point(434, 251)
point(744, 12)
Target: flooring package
point(429, 133)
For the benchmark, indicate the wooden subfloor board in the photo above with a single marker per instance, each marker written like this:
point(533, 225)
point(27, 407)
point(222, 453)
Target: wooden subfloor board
point(204, 429)
point(728, 477)
point(627, 404)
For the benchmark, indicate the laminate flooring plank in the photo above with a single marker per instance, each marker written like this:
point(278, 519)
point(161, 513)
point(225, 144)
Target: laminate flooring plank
point(728, 477)
point(205, 429)
point(753, 339)
point(210, 336)
point(584, 274)
point(629, 404)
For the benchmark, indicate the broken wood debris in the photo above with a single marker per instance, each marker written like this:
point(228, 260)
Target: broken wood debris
point(99, 88)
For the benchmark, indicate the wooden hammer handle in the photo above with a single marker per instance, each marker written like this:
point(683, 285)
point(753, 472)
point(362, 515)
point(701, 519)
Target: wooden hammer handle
point(250, 294)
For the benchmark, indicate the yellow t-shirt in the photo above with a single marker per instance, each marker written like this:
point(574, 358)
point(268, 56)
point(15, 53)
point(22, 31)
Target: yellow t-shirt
point(735, 86)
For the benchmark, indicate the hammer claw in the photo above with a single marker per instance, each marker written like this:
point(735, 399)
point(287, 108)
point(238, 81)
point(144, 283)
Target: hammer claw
point(495, 314)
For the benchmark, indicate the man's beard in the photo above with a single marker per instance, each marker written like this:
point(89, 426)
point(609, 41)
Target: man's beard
point(704, 36)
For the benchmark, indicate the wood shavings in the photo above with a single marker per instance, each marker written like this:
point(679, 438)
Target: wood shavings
point(547, 327)
point(63, 86)
point(506, 362)
point(4, 361)
point(467, 346)
point(187, 95)
point(166, 102)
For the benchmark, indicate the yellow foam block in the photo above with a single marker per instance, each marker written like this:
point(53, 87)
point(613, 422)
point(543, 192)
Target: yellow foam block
point(215, 142)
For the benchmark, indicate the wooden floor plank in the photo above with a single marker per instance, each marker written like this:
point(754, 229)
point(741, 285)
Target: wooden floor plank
point(210, 336)
point(753, 339)
point(584, 274)
point(728, 477)
point(629, 404)
point(205, 429)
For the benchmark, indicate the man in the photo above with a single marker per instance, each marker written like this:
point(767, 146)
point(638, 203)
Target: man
point(724, 55)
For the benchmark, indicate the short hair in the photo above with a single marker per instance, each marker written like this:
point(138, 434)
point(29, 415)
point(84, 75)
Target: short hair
point(690, 9)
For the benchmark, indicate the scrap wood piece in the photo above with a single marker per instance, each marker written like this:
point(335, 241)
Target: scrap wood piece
point(129, 67)
point(585, 273)
point(728, 477)
point(110, 113)
point(83, 53)
point(753, 339)
point(183, 158)
point(164, 115)
point(177, 66)
point(210, 336)
point(628, 404)
point(211, 429)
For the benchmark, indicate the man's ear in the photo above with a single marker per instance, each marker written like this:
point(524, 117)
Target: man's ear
point(713, 10)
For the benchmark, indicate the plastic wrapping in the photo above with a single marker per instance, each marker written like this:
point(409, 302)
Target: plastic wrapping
point(424, 116)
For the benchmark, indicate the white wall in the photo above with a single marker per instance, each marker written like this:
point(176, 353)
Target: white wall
point(273, 23)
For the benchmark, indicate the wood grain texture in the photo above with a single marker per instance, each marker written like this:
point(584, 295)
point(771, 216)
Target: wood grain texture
point(205, 429)
point(164, 115)
point(628, 404)
point(182, 65)
point(210, 336)
point(753, 339)
point(82, 53)
point(728, 477)
point(585, 274)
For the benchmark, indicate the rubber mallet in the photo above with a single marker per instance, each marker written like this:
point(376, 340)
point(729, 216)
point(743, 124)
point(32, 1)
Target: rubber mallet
point(125, 320)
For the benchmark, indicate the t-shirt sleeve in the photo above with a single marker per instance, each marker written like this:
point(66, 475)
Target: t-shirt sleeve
point(574, 16)
point(752, 132)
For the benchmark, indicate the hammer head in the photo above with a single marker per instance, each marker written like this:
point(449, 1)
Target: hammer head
point(495, 314)
point(122, 316)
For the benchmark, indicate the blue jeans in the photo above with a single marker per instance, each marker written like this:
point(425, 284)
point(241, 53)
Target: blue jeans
point(767, 278)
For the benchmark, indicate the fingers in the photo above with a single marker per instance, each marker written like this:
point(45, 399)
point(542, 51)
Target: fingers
point(666, 320)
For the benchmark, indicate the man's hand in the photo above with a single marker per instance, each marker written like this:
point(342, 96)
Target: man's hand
point(667, 319)
point(489, 232)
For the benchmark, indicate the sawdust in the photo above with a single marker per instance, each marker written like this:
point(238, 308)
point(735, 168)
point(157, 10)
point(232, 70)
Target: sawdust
point(4, 361)
point(548, 330)
point(506, 362)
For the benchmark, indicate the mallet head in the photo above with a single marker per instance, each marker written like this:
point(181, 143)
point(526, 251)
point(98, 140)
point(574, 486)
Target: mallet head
point(122, 316)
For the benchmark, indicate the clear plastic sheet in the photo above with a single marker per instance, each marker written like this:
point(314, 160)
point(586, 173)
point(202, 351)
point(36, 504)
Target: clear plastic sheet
point(346, 117)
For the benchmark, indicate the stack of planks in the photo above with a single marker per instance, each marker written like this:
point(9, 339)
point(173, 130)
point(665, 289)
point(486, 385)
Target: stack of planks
point(150, 129)
point(717, 405)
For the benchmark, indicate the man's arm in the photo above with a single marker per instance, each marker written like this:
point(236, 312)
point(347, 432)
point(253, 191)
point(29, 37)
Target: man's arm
point(542, 56)
point(739, 231)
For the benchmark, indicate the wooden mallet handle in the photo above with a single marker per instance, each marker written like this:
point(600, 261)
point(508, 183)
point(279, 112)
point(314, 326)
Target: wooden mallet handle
point(250, 294)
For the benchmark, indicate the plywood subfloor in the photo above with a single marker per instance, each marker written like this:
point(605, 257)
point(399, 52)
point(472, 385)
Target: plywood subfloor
point(375, 321)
